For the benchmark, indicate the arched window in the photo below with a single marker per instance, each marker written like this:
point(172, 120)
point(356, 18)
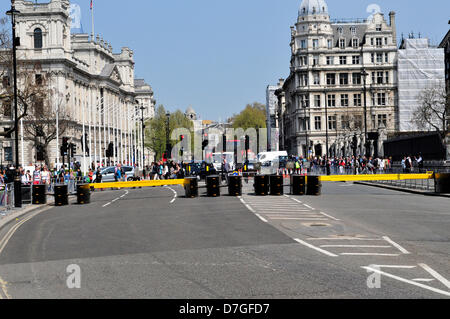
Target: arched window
point(37, 38)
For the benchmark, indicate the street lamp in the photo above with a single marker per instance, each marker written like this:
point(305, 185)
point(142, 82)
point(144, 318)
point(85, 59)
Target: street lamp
point(143, 134)
point(364, 75)
point(17, 181)
point(326, 134)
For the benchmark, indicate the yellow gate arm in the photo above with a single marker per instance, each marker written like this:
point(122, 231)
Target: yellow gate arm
point(138, 184)
point(375, 177)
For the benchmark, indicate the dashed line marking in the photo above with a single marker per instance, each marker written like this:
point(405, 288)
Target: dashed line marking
point(116, 199)
point(369, 254)
point(354, 246)
point(423, 280)
point(390, 241)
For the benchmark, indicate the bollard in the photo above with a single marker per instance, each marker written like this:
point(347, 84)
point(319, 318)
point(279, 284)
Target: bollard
point(442, 183)
point(298, 185)
point(61, 195)
point(313, 185)
point(39, 196)
point(213, 186)
point(17, 192)
point(191, 187)
point(276, 185)
point(83, 194)
point(234, 185)
point(261, 185)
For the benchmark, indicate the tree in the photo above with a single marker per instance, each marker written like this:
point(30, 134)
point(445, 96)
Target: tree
point(253, 116)
point(432, 114)
point(156, 129)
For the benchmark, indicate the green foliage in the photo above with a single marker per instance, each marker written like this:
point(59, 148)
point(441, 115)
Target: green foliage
point(156, 129)
point(253, 116)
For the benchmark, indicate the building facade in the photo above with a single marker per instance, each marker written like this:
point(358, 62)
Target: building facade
point(94, 86)
point(445, 44)
point(342, 83)
point(420, 67)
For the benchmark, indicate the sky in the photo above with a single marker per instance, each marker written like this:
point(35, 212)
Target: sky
point(218, 56)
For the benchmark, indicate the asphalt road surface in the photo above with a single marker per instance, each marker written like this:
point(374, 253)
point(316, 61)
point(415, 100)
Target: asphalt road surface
point(354, 241)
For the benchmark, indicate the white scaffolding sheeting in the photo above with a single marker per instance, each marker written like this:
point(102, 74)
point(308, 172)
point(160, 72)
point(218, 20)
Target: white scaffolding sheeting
point(419, 67)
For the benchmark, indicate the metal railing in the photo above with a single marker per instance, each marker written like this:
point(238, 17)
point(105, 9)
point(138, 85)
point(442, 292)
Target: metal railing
point(7, 198)
point(414, 184)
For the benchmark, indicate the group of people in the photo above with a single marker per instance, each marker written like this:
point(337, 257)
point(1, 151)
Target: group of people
point(164, 170)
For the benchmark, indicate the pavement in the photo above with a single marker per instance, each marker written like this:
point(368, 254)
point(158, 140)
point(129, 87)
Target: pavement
point(354, 241)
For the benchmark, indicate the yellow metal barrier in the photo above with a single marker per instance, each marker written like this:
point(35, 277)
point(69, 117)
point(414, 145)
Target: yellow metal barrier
point(138, 184)
point(375, 177)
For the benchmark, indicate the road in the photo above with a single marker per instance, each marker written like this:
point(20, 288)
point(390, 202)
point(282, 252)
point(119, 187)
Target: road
point(354, 241)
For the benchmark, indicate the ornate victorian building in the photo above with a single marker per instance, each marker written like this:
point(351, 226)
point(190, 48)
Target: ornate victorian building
point(94, 86)
point(342, 83)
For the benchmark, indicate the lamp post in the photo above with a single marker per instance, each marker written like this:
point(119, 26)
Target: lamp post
point(143, 135)
point(167, 134)
point(17, 181)
point(364, 75)
point(326, 135)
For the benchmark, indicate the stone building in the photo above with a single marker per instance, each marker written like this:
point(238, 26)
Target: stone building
point(445, 44)
point(326, 91)
point(97, 86)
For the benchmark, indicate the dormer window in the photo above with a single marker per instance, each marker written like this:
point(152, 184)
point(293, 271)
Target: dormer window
point(353, 30)
point(342, 43)
point(378, 27)
point(355, 43)
point(37, 38)
point(340, 30)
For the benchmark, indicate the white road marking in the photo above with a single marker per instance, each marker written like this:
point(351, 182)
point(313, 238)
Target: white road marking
point(308, 206)
point(262, 218)
point(423, 280)
point(433, 273)
point(411, 282)
point(395, 266)
point(295, 218)
point(390, 241)
point(296, 200)
point(323, 251)
point(347, 238)
point(354, 246)
point(175, 195)
point(329, 216)
point(116, 199)
point(369, 254)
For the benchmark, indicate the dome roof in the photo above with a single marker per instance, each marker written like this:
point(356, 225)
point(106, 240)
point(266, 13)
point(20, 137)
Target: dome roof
point(309, 7)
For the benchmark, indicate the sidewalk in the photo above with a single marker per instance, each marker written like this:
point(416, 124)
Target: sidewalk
point(8, 216)
point(403, 189)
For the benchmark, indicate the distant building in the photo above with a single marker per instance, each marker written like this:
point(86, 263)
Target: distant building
point(445, 44)
point(326, 91)
point(420, 67)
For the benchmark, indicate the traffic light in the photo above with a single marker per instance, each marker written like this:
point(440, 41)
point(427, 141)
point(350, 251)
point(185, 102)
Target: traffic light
point(224, 143)
point(73, 149)
point(247, 142)
point(181, 138)
point(40, 153)
point(65, 145)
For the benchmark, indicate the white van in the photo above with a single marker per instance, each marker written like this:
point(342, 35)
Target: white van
point(266, 158)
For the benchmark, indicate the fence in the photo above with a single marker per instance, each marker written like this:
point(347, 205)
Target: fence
point(423, 184)
point(7, 198)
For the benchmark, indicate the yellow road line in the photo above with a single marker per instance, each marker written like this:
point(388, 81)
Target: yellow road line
point(139, 184)
point(375, 177)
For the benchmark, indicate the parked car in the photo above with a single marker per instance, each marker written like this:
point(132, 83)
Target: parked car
point(108, 173)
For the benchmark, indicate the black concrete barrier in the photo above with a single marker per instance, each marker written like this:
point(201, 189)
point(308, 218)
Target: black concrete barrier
point(261, 185)
point(191, 187)
point(276, 185)
point(213, 186)
point(83, 194)
point(298, 185)
point(234, 185)
point(26, 194)
point(313, 186)
point(61, 195)
point(39, 196)
point(442, 183)
point(17, 192)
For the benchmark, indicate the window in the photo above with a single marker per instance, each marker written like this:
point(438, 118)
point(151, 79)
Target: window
point(330, 44)
point(332, 122)
point(38, 79)
point(318, 123)
point(342, 43)
point(38, 106)
point(381, 99)
point(386, 41)
point(330, 60)
point(344, 100)
point(303, 79)
point(356, 77)
point(303, 44)
point(373, 78)
point(355, 43)
point(357, 100)
point(386, 77)
point(7, 108)
point(331, 79)
point(343, 79)
point(371, 41)
point(372, 55)
point(378, 27)
point(345, 122)
point(315, 43)
point(353, 30)
point(37, 38)
point(303, 124)
point(386, 57)
point(380, 77)
point(340, 30)
point(355, 59)
point(8, 154)
point(379, 57)
point(303, 60)
point(379, 42)
point(316, 78)
point(315, 60)
point(358, 121)
point(304, 101)
point(382, 119)
point(6, 82)
point(342, 60)
point(331, 100)
point(317, 100)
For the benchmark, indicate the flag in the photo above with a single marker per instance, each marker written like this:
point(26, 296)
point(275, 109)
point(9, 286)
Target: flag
point(92, 4)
